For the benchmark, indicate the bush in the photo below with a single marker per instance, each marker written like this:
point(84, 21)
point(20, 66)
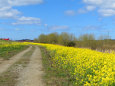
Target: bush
point(71, 44)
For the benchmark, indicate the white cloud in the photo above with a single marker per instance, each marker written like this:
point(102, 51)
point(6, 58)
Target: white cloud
point(11, 3)
point(96, 2)
point(45, 25)
point(6, 7)
point(92, 27)
point(107, 12)
point(81, 11)
point(70, 12)
point(104, 7)
point(24, 2)
point(4, 3)
point(8, 12)
point(27, 20)
point(58, 27)
point(90, 8)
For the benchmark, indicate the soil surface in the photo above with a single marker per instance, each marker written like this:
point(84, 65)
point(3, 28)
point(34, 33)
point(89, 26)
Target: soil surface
point(4, 65)
point(32, 74)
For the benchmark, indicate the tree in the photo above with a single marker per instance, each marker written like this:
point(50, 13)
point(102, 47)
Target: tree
point(42, 38)
point(52, 38)
point(66, 39)
point(87, 40)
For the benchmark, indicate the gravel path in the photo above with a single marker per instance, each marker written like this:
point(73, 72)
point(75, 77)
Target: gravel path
point(32, 74)
point(6, 64)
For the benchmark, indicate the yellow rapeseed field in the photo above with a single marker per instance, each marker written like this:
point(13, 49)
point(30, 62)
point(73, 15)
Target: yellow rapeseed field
point(88, 67)
point(12, 44)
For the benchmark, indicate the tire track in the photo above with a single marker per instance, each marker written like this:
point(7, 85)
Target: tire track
point(32, 74)
point(6, 64)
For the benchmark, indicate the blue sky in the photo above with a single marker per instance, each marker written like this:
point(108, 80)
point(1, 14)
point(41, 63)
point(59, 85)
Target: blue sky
point(27, 19)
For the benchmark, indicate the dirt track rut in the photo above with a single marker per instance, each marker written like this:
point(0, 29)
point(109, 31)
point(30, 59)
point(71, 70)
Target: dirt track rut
point(6, 64)
point(32, 74)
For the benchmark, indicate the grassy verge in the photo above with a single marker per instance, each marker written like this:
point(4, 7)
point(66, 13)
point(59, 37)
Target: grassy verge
point(9, 78)
point(5, 42)
point(54, 77)
point(7, 52)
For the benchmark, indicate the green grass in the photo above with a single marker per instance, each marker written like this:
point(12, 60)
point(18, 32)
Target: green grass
point(54, 77)
point(2, 42)
point(9, 78)
point(7, 52)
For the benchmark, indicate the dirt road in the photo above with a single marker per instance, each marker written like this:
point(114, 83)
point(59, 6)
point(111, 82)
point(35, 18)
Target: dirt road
point(32, 74)
point(6, 64)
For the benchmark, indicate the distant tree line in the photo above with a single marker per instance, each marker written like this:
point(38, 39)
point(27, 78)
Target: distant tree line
point(83, 41)
point(55, 38)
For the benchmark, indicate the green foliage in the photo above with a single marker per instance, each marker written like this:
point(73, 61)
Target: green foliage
point(54, 77)
point(7, 52)
point(86, 37)
point(5, 42)
point(54, 38)
point(84, 41)
point(42, 38)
